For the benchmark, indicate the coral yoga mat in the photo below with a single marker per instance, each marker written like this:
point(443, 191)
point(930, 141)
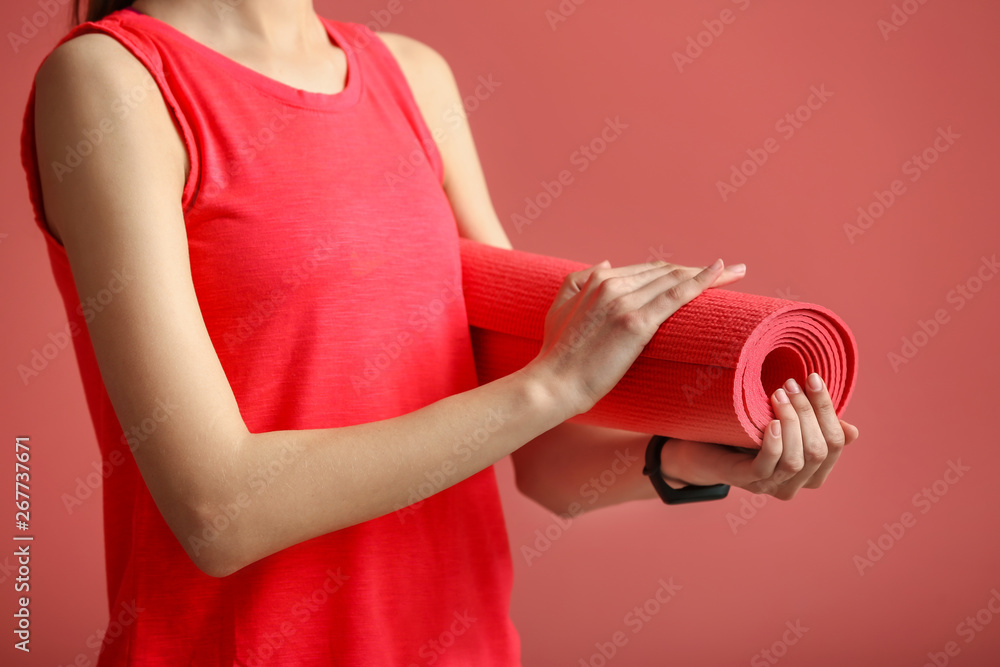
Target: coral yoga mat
point(708, 371)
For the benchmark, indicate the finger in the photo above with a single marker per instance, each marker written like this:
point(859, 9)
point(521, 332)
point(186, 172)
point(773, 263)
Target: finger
point(814, 445)
point(818, 479)
point(619, 280)
point(851, 432)
point(607, 271)
point(661, 297)
point(635, 276)
point(829, 423)
point(730, 275)
point(771, 448)
point(792, 460)
point(727, 276)
point(826, 414)
point(753, 471)
point(622, 279)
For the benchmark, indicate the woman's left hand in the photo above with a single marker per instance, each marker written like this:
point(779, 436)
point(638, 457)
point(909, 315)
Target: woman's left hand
point(798, 451)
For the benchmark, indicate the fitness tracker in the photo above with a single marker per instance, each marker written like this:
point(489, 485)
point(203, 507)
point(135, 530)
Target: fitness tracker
point(670, 495)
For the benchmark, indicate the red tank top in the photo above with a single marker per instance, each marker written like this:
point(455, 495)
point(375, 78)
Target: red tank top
point(325, 259)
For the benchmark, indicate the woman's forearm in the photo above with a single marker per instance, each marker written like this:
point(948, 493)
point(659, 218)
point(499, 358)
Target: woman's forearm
point(574, 468)
point(284, 487)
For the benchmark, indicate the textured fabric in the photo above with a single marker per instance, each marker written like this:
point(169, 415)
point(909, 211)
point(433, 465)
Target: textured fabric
point(708, 371)
point(325, 260)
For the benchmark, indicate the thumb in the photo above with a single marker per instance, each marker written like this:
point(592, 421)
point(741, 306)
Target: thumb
point(851, 432)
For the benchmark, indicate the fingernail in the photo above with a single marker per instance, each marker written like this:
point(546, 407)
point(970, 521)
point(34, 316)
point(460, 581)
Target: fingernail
point(814, 382)
point(716, 265)
point(738, 268)
point(792, 386)
point(776, 428)
point(780, 396)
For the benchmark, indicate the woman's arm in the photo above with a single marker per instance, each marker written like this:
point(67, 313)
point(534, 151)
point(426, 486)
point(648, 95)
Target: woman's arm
point(562, 468)
point(558, 467)
point(119, 210)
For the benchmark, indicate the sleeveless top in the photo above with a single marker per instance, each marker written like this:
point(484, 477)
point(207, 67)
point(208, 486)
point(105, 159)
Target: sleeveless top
point(324, 254)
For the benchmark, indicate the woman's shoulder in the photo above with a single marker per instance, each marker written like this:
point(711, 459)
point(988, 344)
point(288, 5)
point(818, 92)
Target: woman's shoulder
point(427, 72)
point(94, 71)
point(409, 48)
point(99, 57)
point(83, 92)
point(95, 53)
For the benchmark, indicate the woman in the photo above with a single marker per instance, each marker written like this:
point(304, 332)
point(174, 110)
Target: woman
point(233, 167)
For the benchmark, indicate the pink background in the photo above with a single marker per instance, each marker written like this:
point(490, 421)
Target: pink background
point(656, 185)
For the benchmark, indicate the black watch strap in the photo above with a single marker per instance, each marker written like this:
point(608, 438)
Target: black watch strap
point(670, 495)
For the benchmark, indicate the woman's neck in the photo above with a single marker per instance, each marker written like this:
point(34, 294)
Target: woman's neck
point(281, 26)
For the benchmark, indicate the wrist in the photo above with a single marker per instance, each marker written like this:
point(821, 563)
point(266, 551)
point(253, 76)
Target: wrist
point(673, 482)
point(547, 391)
point(670, 468)
point(552, 390)
point(675, 491)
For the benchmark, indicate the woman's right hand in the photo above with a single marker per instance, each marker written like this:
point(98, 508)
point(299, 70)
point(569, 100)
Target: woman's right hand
point(603, 317)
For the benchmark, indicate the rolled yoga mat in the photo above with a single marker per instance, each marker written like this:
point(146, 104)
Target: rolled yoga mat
point(707, 373)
